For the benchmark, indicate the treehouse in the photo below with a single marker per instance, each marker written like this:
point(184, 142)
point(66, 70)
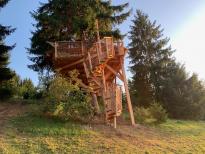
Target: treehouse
point(99, 64)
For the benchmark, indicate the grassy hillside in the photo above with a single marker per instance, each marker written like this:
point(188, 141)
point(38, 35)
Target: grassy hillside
point(33, 134)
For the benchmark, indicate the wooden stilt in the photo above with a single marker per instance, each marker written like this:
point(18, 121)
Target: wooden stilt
point(95, 103)
point(86, 70)
point(56, 50)
point(127, 94)
point(115, 122)
point(90, 62)
point(104, 94)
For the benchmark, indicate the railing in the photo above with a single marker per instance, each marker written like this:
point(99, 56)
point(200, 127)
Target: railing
point(69, 49)
point(119, 48)
point(107, 48)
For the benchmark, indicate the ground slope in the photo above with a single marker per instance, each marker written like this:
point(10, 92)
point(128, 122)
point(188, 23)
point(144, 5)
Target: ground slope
point(27, 133)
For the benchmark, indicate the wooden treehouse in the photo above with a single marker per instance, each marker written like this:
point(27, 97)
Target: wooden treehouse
point(99, 65)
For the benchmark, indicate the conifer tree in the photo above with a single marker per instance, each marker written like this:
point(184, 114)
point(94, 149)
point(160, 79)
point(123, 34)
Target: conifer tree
point(64, 20)
point(5, 72)
point(150, 55)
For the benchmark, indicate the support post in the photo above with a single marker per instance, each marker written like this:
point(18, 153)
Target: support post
point(95, 103)
point(98, 39)
point(127, 94)
point(115, 122)
point(90, 62)
point(86, 70)
point(56, 45)
point(104, 93)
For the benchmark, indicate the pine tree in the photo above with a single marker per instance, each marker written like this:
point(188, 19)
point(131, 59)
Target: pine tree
point(5, 72)
point(67, 20)
point(182, 95)
point(150, 55)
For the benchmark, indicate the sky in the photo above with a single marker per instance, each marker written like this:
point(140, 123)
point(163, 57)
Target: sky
point(183, 22)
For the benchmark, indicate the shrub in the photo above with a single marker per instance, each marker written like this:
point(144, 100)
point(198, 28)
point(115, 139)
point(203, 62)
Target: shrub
point(158, 112)
point(67, 101)
point(9, 89)
point(27, 89)
point(142, 115)
point(153, 114)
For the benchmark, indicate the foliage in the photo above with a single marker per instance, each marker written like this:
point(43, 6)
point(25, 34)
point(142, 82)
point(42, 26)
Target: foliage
point(60, 20)
point(17, 88)
point(182, 95)
point(149, 56)
point(67, 101)
point(5, 72)
point(157, 76)
point(142, 115)
point(158, 112)
point(154, 114)
point(10, 88)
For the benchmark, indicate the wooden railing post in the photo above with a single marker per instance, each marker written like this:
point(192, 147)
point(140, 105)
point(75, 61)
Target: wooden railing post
point(98, 45)
point(106, 46)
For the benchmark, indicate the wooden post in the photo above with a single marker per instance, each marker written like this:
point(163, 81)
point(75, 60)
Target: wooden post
point(99, 48)
point(127, 94)
point(56, 50)
point(90, 62)
point(103, 79)
point(104, 93)
point(106, 44)
point(115, 122)
point(95, 103)
point(82, 46)
point(86, 70)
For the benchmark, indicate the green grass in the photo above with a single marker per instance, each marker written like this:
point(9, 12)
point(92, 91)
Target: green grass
point(35, 134)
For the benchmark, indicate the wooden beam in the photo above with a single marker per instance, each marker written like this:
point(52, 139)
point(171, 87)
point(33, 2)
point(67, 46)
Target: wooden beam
point(86, 70)
point(75, 63)
point(115, 122)
point(95, 80)
point(90, 62)
point(98, 45)
point(104, 80)
point(95, 103)
point(127, 93)
point(51, 43)
point(72, 64)
point(106, 44)
point(56, 50)
point(82, 46)
point(114, 72)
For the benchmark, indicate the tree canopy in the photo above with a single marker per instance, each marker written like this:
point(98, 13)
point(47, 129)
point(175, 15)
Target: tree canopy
point(157, 77)
point(60, 20)
point(5, 72)
point(149, 55)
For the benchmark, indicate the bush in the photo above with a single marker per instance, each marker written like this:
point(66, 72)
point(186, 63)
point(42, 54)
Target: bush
point(158, 112)
point(27, 89)
point(9, 89)
point(153, 114)
point(142, 115)
point(67, 101)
